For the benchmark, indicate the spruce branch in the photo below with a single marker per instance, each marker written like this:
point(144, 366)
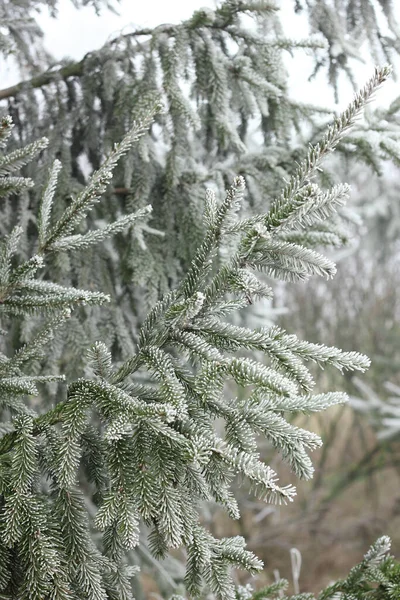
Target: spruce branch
point(43, 220)
point(83, 241)
point(14, 185)
point(291, 201)
point(201, 263)
point(16, 160)
point(6, 127)
point(97, 185)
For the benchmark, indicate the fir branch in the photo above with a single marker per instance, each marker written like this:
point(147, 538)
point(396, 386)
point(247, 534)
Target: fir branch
point(289, 201)
point(97, 185)
point(15, 160)
point(14, 185)
point(201, 263)
point(43, 220)
point(33, 349)
point(6, 126)
point(32, 303)
point(82, 242)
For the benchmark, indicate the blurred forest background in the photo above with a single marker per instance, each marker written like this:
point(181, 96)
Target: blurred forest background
point(355, 494)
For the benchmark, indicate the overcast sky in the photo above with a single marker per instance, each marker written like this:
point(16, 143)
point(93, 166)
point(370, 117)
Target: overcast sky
point(76, 32)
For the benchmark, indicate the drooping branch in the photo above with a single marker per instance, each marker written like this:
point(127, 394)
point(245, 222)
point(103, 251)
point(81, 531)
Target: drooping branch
point(71, 70)
point(76, 69)
point(221, 19)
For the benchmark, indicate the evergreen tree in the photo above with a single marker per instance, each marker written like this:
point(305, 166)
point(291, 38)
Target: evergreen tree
point(220, 78)
point(157, 380)
point(138, 438)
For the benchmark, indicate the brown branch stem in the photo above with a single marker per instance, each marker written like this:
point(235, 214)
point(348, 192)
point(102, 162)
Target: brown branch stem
point(71, 70)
